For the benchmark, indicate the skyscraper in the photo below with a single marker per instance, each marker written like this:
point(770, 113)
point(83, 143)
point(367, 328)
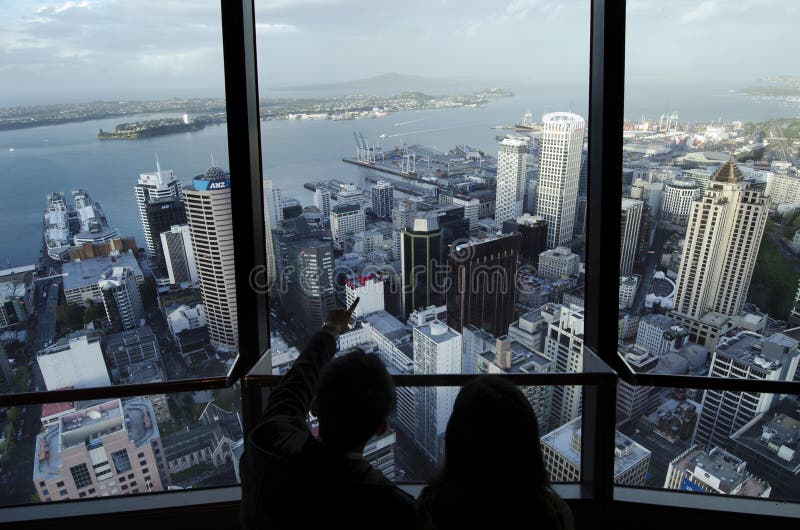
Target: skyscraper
point(346, 220)
point(179, 255)
point(511, 161)
point(745, 356)
point(722, 242)
point(559, 173)
point(629, 234)
point(162, 214)
point(208, 212)
point(155, 187)
point(564, 346)
point(121, 298)
point(322, 200)
point(421, 261)
point(437, 350)
point(304, 259)
point(533, 230)
point(382, 198)
point(273, 214)
point(400, 217)
point(482, 285)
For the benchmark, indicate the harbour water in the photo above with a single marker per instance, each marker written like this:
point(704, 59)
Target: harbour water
point(69, 156)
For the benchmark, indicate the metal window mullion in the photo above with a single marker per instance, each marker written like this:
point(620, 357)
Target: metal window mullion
point(247, 204)
point(603, 218)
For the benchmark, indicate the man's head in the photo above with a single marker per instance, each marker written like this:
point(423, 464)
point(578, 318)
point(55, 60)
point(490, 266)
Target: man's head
point(354, 398)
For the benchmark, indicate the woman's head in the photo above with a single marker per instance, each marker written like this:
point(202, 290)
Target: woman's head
point(493, 435)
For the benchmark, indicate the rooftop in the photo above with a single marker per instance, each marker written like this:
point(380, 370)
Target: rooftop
point(720, 471)
point(438, 331)
point(89, 426)
point(627, 452)
point(84, 273)
point(748, 347)
point(775, 435)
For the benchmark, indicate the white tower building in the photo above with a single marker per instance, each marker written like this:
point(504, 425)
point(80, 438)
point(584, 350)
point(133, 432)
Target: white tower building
point(511, 161)
point(629, 234)
point(722, 242)
point(179, 255)
point(208, 212)
point(322, 200)
point(559, 172)
point(154, 187)
point(121, 298)
point(273, 215)
point(437, 350)
point(564, 346)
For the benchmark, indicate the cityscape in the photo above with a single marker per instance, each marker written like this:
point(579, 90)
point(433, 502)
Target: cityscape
point(465, 261)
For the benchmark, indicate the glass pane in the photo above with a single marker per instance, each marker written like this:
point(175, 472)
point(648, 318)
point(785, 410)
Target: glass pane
point(149, 444)
point(714, 441)
point(709, 269)
point(117, 248)
point(449, 198)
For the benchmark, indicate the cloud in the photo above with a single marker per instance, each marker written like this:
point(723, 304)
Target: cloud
point(276, 28)
point(700, 12)
point(66, 6)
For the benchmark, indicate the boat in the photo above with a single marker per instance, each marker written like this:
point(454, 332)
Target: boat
point(11, 149)
point(384, 135)
point(527, 123)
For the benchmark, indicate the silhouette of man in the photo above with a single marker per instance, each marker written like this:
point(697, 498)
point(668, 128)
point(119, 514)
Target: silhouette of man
point(292, 480)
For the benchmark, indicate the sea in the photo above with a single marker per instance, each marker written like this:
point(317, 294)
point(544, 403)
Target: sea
point(41, 160)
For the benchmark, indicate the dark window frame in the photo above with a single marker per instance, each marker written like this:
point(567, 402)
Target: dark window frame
point(606, 107)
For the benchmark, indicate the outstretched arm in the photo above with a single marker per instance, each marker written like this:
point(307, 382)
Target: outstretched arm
point(283, 425)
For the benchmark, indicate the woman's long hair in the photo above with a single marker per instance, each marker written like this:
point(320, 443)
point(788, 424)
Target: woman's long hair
point(492, 439)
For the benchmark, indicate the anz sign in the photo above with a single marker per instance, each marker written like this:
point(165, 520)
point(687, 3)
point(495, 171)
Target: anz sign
point(215, 184)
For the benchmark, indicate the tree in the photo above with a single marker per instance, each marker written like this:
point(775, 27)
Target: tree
point(93, 311)
point(70, 316)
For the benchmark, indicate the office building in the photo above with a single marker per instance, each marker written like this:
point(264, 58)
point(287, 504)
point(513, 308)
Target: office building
point(629, 234)
point(81, 280)
point(558, 177)
point(208, 213)
point(722, 242)
point(658, 334)
point(747, 355)
point(106, 449)
point(482, 286)
point(421, 261)
point(369, 289)
point(159, 188)
point(401, 215)
point(322, 200)
point(14, 297)
point(176, 244)
point(558, 263)
point(561, 449)
point(627, 290)
point(437, 350)
point(679, 195)
point(770, 444)
point(511, 164)
point(346, 220)
point(713, 471)
point(132, 347)
point(161, 216)
point(304, 259)
point(121, 298)
point(273, 215)
point(564, 347)
point(533, 230)
point(350, 194)
point(74, 361)
point(382, 199)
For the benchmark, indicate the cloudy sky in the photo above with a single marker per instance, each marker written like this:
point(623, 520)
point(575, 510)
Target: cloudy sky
point(78, 50)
